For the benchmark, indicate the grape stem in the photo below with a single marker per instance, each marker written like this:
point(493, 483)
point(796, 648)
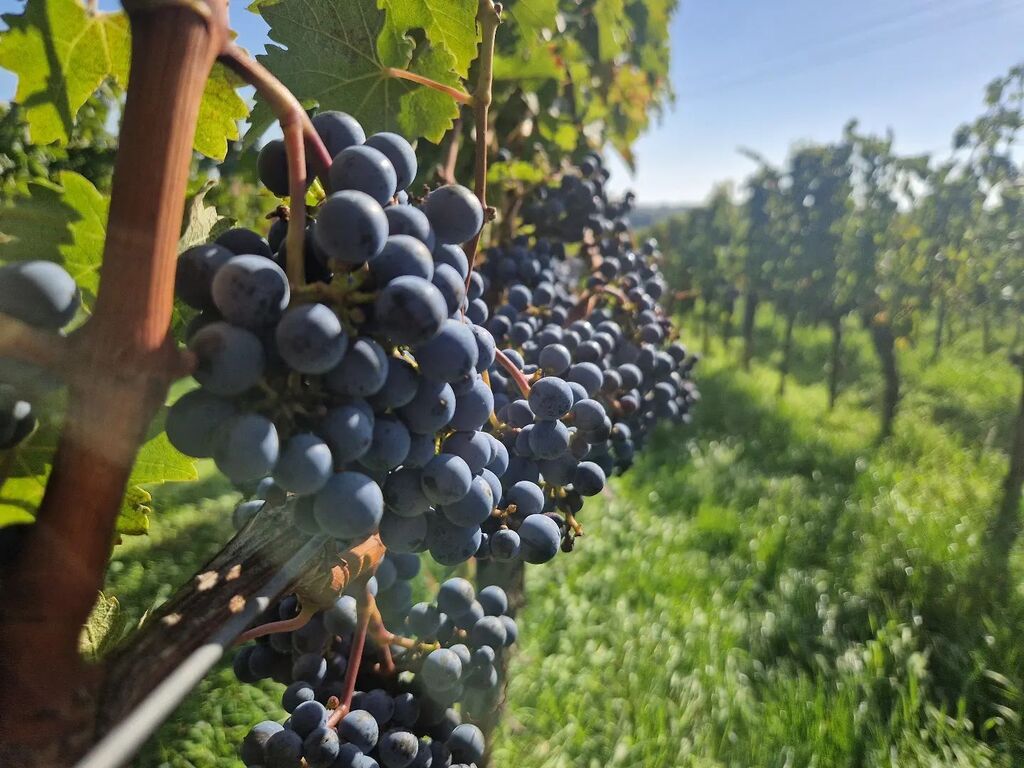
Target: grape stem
point(513, 370)
point(275, 627)
point(403, 74)
point(298, 135)
point(447, 171)
point(488, 17)
point(365, 608)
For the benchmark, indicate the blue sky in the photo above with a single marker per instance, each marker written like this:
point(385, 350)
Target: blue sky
point(750, 73)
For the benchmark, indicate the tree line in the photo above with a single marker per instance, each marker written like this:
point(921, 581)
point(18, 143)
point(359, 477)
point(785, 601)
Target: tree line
point(852, 228)
point(916, 248)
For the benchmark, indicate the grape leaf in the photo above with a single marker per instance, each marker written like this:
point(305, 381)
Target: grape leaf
point(355, 41)
point(29, 468)
point(65, 222)
point(199, 220)
point(609, 16)
point(61, 53)
point(105, 628)
point(532, 15)
point(448, 24)
point(219, 113)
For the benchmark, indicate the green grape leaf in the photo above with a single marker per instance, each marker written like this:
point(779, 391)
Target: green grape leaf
point(355, 42)
point(29, 468)
point(448, 24)
point(133, 520)
point(515, 171)
point(199, 220)
point(104, 629)
point(219, 113)
point(65, 222)
point(536, 61)
point(532, 15)
point(61, 53)
point(609, 16)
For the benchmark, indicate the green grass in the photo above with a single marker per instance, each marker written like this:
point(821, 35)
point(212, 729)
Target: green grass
point(768, 587)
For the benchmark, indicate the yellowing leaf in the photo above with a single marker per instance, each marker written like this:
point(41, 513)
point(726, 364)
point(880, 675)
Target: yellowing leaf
point(219, 113)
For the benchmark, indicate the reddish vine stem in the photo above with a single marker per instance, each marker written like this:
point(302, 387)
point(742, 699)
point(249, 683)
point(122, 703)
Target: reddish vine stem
point(274, 627)
point(50, 351)
point(296, 242)
point(452, 152)
point(284, 104)
point(117, 385)
point(355, 657)
point(459, 95)
point(513, 370)
point(488, 16)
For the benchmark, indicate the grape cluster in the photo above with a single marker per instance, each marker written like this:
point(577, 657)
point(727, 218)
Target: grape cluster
point(404, 719)
point(396, 392)
point(43, 295)
point(339, 390)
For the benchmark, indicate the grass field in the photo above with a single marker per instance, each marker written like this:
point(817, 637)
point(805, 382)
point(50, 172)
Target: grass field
point(769, 587)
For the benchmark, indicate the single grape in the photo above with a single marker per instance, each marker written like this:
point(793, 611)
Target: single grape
point(453, 256)
point(230, 360)
point(430, 410)
point(493, 599)
point(305, 464)
point(473, 508)
point(402, 255)
point(254, 744)
point(39, 293)
point(403, 534)
point(348, 431)
point(194, 420)
point(272, 167)
point(410, 310)
point(250, 291)
point(454, 212)
point(403, 493)
point(321, 747)
point(451, 285)
point(450, 544)
point(246, 447)
point(399, 152)
point(366, 170)
point(359, 728)
point(350, 227)
point(589, 479)
point(466, 743)
point(363, 370)
point(338, 131)
point(244, 242)
point(311, 339)
point(455, 596)
point(193, 277)
point(283, 749)
point(342, 617)
point(297, 693)
point(442, 669)
point(446, 479)
point(408, 220)
point(451, 355)
point(390, 445)
point(539, 539)
point(528, 498)
point(350, 505)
